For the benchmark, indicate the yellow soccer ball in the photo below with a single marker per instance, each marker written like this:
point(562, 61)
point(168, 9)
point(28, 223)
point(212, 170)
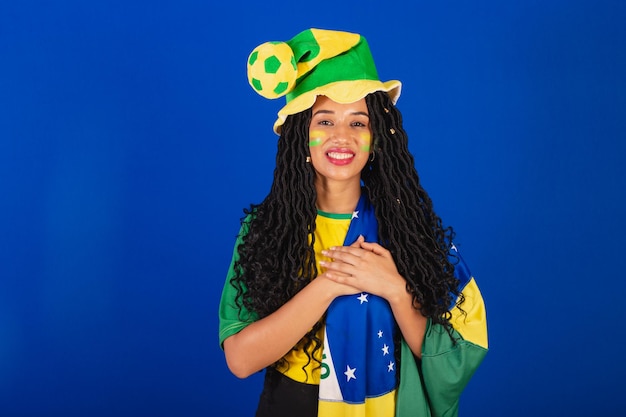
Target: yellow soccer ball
point(272, 69)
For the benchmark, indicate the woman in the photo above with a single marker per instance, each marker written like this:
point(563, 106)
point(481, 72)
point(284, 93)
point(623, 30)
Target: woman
point(344, 285)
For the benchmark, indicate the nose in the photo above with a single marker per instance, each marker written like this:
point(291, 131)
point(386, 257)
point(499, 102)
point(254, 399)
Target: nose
point(341, 134)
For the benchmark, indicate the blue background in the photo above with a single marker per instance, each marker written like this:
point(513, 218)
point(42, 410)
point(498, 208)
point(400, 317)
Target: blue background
point(130, 141)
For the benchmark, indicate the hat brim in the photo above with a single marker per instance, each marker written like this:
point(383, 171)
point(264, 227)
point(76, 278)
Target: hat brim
point(341, 92)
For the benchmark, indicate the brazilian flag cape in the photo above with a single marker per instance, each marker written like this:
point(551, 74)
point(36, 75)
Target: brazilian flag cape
point(358, 365)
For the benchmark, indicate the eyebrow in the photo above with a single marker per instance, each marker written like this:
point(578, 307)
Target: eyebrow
point(356, 113)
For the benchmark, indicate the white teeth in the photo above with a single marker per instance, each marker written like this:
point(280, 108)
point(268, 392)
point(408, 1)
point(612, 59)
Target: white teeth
point(340, 155)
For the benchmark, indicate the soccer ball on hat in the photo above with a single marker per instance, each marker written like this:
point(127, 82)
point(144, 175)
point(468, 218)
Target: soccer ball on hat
point(272, 69)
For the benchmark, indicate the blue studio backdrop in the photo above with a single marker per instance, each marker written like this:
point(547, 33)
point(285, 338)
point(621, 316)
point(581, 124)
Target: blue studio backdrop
point(130, 142)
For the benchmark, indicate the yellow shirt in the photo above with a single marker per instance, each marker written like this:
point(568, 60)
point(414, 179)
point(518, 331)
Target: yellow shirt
point(330, 230)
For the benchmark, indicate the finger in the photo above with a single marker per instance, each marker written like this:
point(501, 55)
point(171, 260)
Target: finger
point(343, 286)
point(376, 248)
point(357, 243)
point(345, 254)
point(340, 277)
point(352, 249)
point(338, 267)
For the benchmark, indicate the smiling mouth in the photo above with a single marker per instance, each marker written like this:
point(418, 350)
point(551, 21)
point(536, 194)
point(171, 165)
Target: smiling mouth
point(340, 155)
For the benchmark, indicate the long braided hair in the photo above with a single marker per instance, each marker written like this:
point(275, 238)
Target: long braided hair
point(276, 256)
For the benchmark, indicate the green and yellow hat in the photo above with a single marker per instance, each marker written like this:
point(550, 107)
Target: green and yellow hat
point(316, 62)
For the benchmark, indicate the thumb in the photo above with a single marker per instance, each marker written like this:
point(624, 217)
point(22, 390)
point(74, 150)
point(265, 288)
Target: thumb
point(358, 241)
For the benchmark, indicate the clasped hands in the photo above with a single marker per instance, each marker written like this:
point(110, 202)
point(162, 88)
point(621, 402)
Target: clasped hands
point(364, 266)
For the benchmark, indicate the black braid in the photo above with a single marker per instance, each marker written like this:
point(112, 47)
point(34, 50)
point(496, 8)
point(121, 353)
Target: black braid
point(408, 225)
point(276, 258)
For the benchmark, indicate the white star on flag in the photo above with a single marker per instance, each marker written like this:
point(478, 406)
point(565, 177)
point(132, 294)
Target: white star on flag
point(380, 334)
point(350, 373)
point(355, 214)
point(385, 349)
point(389, 367)
point(362, 298)
point(453, 246)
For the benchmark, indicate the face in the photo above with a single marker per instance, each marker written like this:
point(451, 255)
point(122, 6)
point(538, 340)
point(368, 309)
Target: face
point(339, 139)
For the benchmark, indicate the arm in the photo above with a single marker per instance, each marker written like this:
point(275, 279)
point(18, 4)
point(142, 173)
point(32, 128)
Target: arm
point(447, 367)
point(265, 341)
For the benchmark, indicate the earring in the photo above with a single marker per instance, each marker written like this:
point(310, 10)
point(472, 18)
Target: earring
point(308, 159)
point(372, 156)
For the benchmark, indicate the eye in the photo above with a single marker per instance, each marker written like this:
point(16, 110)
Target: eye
point(324, 122)
point(358, 124)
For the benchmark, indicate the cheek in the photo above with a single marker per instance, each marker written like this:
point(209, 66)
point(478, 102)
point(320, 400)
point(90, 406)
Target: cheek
point(315, 138)
point(365, 141)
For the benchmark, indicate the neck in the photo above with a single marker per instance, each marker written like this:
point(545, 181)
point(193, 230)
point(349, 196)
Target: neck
point(338, 198)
